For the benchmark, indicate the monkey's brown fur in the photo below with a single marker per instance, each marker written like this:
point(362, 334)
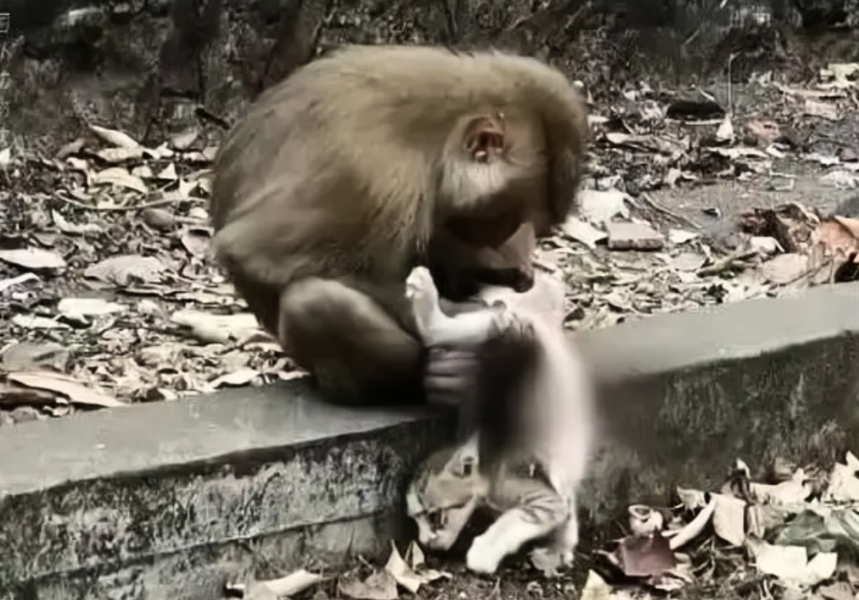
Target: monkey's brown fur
point(354, 169)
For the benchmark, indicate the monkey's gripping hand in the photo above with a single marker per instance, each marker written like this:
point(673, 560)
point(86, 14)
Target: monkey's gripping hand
point(453, 342)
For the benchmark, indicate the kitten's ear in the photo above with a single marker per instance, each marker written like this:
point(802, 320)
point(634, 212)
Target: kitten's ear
point(467, 460)
point(466, 466)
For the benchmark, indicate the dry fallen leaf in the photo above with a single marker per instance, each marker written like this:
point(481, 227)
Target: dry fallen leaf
point(216, 329)
point(73, 228)
point(168, 173)
point(694, 528)
point(16, 395)
point(126, 269)
point(839, 590)
point(839, 237)
point(37, 322)
point(843, 482)
point(793, 491)
point(725, 132)
point(763, 133)
point(239, 378)
point(595, 588)
point(196, 241)
point(34, 259)
point(791, 564)
point(378, 586)
point(821, 109)
point(120, 154)
point(11, 282)
point(681, 236)
point(117, 176)
point(599, 206)
point(80, 308)
point(645, 556)
point(274, 589)
point(729, 519)
point(785, 268)
point(582, 232)
point(75, 391)
point(114, 137)
point(35, 356)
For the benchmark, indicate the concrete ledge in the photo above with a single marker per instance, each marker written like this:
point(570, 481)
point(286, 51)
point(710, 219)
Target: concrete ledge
point(166, 500)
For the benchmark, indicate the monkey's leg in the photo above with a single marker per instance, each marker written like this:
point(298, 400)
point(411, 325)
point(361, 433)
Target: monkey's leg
point(355, 349)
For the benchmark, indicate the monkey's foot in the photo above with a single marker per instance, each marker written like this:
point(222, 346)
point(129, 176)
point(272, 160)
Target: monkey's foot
point(423, 294)
point(483, 556)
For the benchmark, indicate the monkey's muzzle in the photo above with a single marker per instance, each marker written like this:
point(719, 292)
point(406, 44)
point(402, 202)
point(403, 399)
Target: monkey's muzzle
point(519, 280)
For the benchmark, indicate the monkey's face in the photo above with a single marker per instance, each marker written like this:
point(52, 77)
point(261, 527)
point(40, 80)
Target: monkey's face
point(470, 260)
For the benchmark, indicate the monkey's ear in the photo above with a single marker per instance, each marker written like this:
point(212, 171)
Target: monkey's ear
point(485, 137)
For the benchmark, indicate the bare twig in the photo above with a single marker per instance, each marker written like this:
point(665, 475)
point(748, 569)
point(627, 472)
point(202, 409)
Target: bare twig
point(727, 263)
point(145, 205)
point(654, 205)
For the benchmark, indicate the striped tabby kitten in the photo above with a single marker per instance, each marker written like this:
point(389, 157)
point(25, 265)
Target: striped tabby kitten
point(532, 430)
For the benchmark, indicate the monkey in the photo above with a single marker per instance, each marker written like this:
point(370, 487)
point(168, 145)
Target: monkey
point(373, 159)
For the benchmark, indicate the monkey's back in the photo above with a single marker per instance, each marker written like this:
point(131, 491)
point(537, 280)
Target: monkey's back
point(320, 171)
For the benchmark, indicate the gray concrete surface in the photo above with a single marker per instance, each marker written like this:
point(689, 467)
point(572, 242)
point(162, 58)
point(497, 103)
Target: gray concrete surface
point(167, 500)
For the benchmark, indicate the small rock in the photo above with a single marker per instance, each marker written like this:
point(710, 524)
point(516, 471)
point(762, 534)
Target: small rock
point(785, 268)
point(23, 414)
point(763, 245)
point(158, 218)
point(847, 155)
point(633, 236)
point(762, 133)
point(600, 206)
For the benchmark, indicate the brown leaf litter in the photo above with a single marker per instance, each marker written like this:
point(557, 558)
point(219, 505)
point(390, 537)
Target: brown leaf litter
point(106, 246)
point(794, 534)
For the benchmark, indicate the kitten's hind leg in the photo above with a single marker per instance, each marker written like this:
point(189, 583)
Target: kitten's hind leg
point(463, 331)
point(513, 529)
point(560, 551)
point(568, 539)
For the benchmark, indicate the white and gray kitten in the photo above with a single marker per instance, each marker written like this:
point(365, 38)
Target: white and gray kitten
point(531, 473)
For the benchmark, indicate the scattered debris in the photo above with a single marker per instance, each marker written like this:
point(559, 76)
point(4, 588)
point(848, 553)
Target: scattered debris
point(109, 254)
point(33, 259)
point(633, 236)
point(275, 589)
point(409, 573)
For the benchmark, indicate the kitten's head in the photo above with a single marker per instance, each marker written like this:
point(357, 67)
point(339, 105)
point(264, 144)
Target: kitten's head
point(443, 495)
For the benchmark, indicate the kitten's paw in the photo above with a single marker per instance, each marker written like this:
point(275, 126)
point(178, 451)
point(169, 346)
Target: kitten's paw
point(503, 319)
point(483, 557)
point(548, 561)
point(420, 284)
point(423, 294)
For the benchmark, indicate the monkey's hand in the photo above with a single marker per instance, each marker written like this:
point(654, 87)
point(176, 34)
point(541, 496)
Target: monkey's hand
point(449, 375)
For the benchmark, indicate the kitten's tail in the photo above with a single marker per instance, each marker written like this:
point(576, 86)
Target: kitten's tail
point(509, 360)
